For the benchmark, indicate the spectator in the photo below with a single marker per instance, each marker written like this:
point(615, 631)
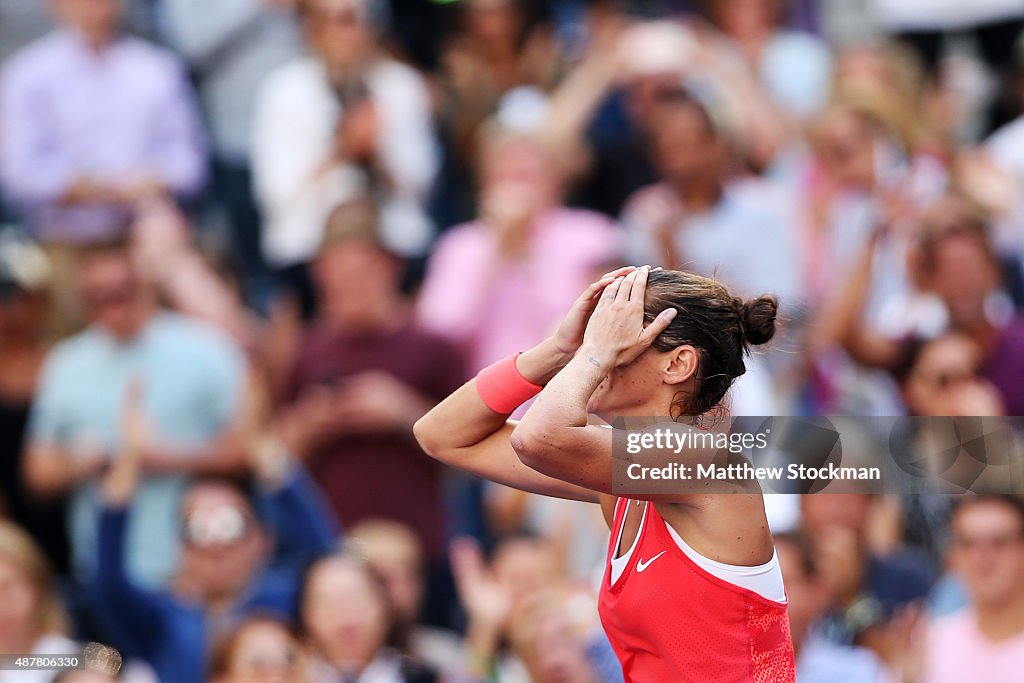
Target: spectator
point(795, 68)
point(955, 261)
point(362, 375)
point(32, 620)
point(644, 67)
point(497, 46)
point(868, 588)
point(259, 650)
point(518, 597)
point(347, 617)
point(94, 121)
point(345, 121)
point(555, 634)
point(24, 275)
point(818, 660)
point(984, 642)
point(232, 563)
point(230, 48)
point(192, 379)
point(524, 247)
point(394, 553)
point(740, 229)
point(944, 379)
point(926, 27)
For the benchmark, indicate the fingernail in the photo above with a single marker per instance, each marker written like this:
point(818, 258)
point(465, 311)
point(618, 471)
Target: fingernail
point(670, 313)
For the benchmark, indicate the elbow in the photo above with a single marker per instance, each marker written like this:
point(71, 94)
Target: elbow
point(534, 447)
point(426, 436)
point(41, 482)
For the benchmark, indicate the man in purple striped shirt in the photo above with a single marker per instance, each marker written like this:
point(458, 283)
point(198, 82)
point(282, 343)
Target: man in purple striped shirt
point(92, 122)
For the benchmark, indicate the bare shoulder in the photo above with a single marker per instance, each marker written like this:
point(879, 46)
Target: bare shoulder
point(726, 527)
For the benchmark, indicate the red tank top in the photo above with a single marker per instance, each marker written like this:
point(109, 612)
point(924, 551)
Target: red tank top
point(670, 621)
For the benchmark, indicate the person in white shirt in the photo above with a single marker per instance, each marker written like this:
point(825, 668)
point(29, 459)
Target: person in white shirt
point(32, 620)
point(343, 122)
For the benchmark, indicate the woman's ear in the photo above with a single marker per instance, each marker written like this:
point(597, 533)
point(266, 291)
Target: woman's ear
point(681, 364)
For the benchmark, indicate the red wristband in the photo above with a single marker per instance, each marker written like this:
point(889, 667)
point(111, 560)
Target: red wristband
point(502, 388)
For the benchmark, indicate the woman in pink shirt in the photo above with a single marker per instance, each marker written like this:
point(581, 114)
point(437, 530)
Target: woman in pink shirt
point(498, 283)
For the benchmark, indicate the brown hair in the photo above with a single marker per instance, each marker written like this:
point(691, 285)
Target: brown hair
point(18, 548)
point(721, 326)
point(948, 218)
point(226, 643)
point(374, 579)
point(355, 220)
point(1010, 501)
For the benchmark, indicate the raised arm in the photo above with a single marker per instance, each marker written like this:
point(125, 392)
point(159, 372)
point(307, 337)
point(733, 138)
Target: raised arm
point(136, 612)
point(462, 431)
point(843, 323)
point(304, 524)
point(555, 437)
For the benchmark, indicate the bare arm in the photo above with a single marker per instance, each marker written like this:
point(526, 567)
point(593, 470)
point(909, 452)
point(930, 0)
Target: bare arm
point(50, 470)
point(555, 438)
point(843, 323)
point(463, 432)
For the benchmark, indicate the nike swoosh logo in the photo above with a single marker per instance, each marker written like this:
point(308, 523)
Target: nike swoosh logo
point(641, 565)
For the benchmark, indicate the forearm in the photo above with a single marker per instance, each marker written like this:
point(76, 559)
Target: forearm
point(839, 323)
point(481, 647)
point(563, 403)
point(224, 455)
point(50, 471)
point(463, 419)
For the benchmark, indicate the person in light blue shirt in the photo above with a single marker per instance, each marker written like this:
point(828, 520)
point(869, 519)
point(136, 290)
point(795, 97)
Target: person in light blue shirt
point(817, 659)
point(189, 378)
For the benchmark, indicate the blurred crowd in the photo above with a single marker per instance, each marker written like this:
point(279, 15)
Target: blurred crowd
point(248, 243)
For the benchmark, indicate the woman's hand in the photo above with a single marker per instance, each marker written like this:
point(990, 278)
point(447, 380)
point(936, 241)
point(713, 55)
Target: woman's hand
point(615, 334)
point(570, 333)
point(542, 362)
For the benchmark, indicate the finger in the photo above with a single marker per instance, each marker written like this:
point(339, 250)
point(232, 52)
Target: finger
point(626, 287)
point(595, 289)
point(618, 272)
point(612, 289)
point(639, 285)
point(658, 325)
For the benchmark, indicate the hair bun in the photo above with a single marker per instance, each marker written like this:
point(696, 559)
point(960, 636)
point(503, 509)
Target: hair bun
point(757, 319)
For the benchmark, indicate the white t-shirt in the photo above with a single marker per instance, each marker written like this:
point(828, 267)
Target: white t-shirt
point(297, 185)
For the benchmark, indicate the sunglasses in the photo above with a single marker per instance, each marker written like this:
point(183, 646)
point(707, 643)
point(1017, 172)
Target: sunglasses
point(221, 526)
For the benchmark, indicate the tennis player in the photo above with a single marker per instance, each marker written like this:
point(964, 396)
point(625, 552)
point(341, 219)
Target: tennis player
point(692, 589)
